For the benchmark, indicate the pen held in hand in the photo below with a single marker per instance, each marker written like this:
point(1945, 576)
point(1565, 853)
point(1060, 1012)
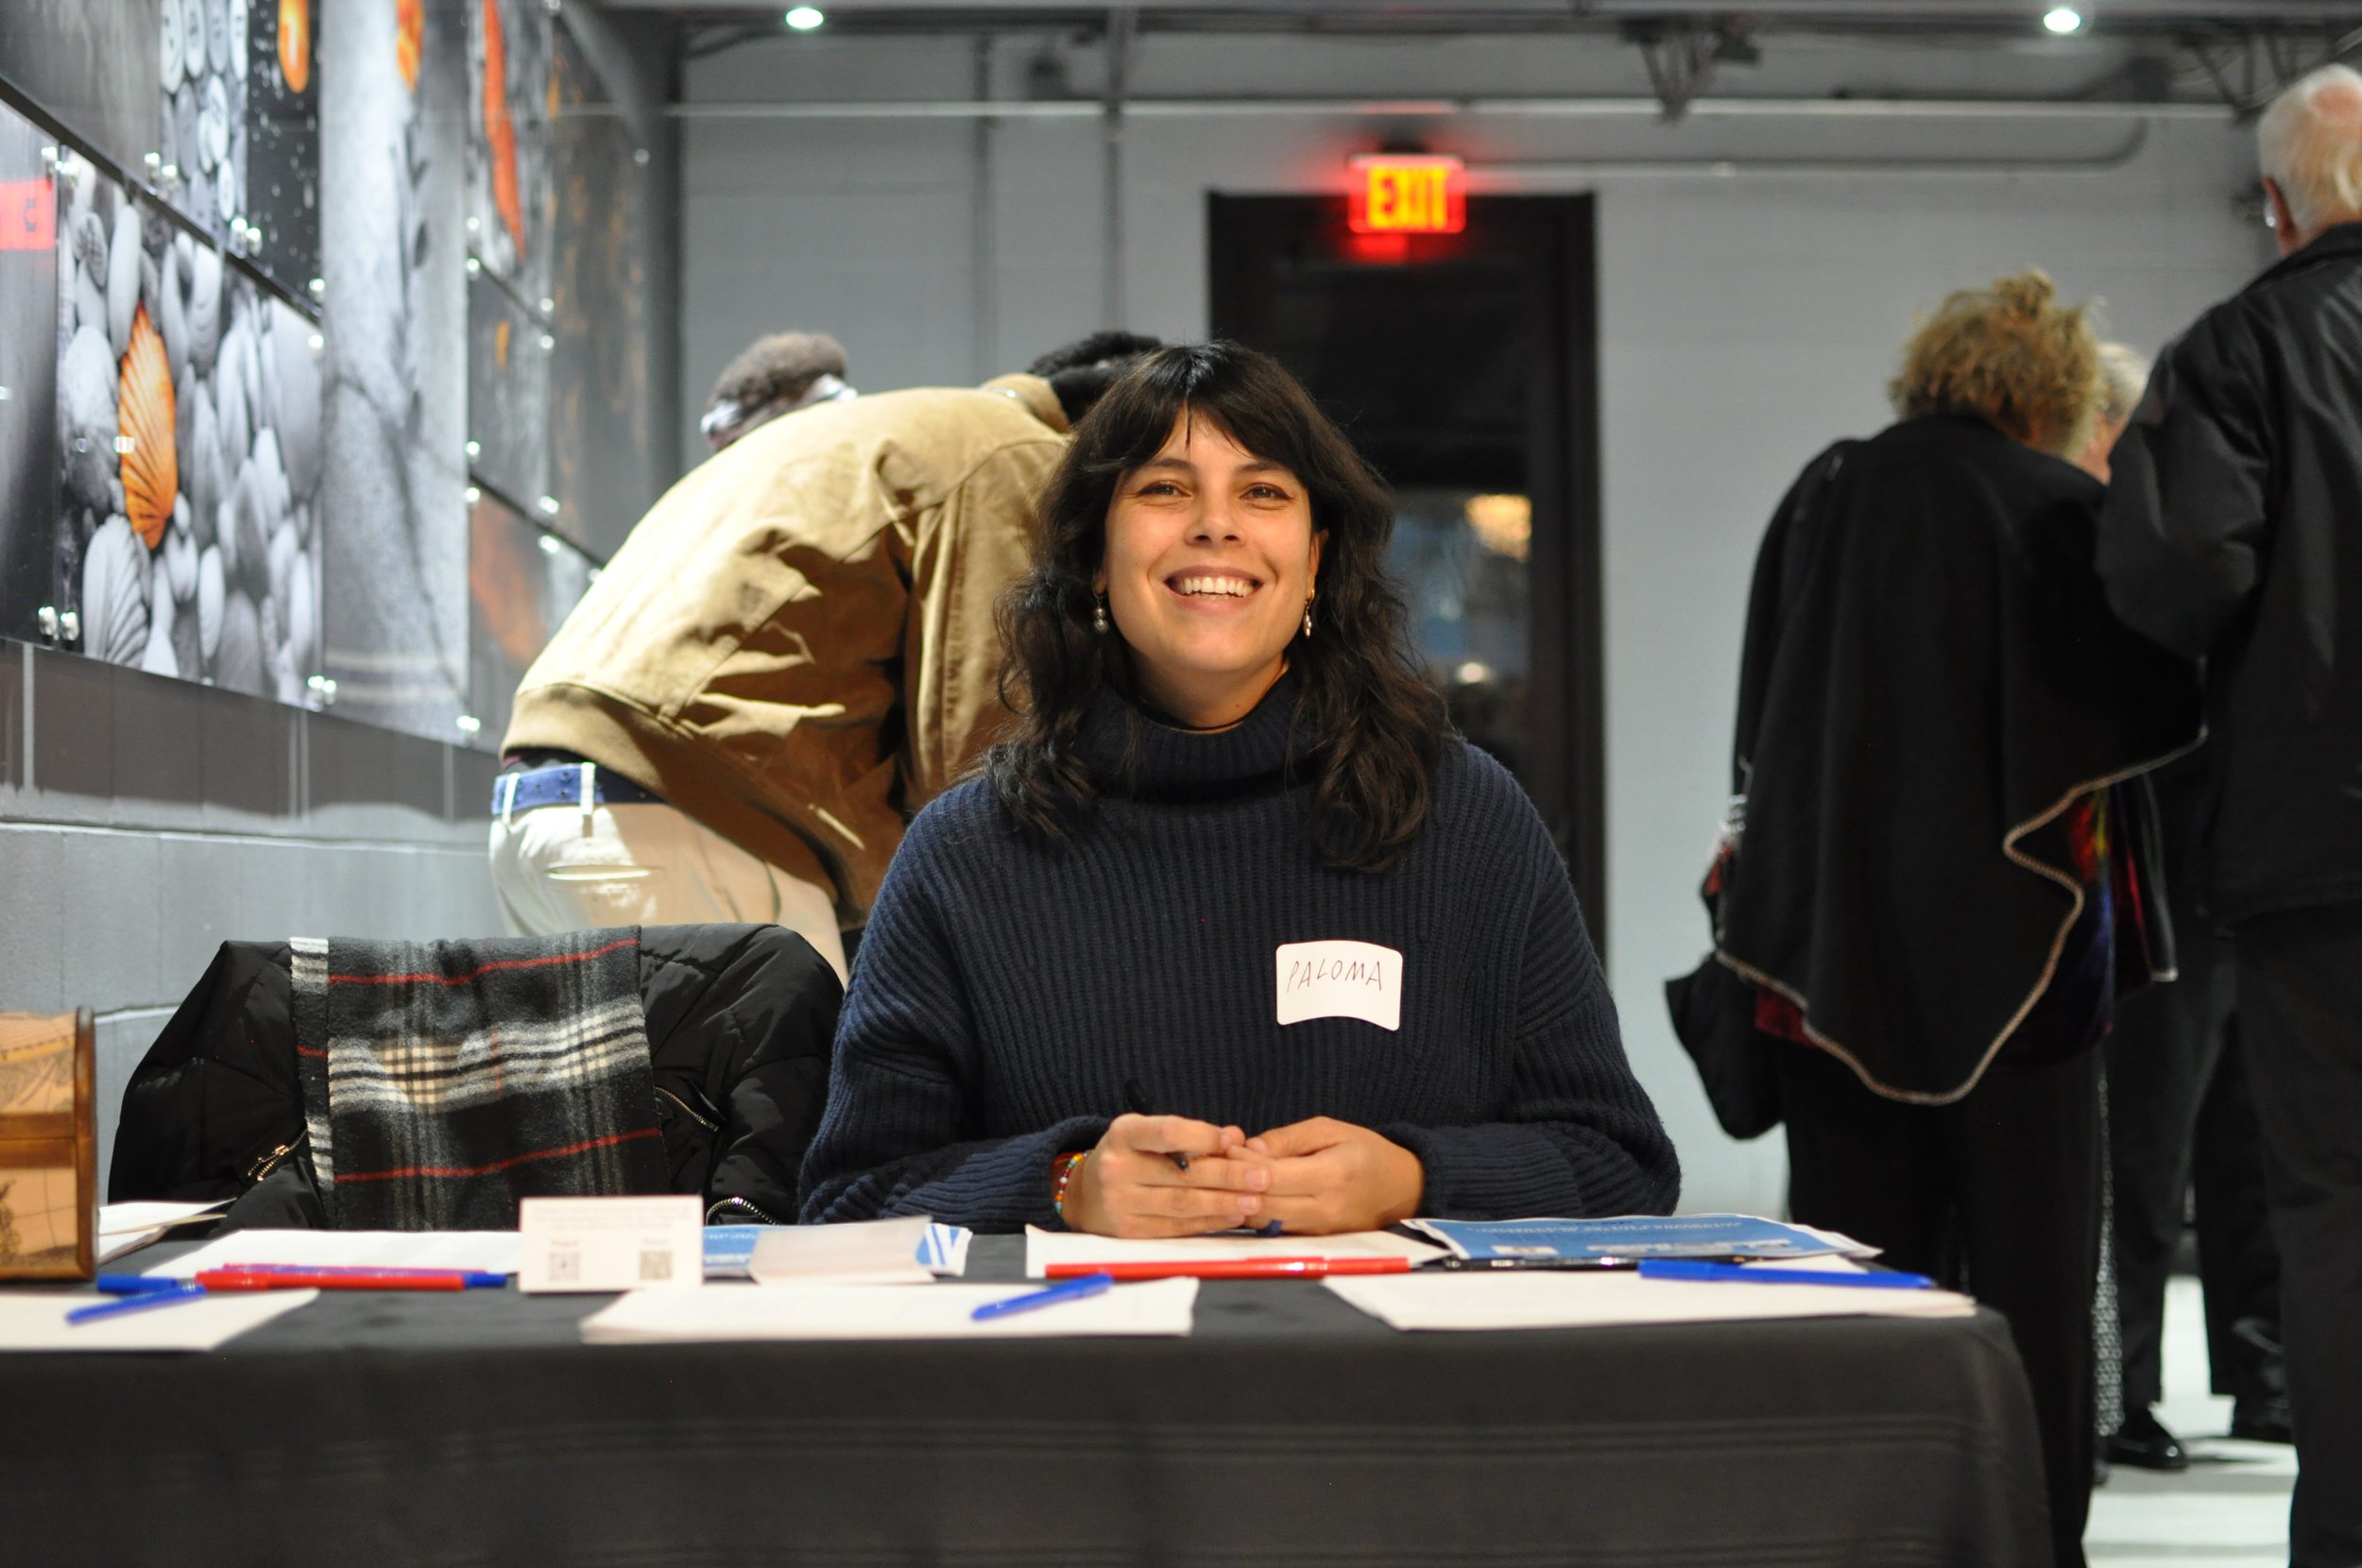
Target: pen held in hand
point(1135, 1099)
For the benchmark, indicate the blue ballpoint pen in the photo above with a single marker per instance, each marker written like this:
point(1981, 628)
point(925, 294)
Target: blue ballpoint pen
point(1066, 1290)
point(1689, 1269)
point(182, 1290)
point(136, 1285)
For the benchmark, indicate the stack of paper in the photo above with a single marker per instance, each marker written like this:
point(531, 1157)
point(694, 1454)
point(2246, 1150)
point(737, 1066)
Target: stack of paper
point(493, 1251)
point(37, 1322)
point(875, 1252)
point(1561, 1300)
point(731, 1250)
point(1724, 1236)
point(123, 1227)
point(1044, 1248)
point(1162, 1307)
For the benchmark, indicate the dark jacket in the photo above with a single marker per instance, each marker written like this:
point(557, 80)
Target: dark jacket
point(1931, 680)
point(738, 1019)
point(2233, 532)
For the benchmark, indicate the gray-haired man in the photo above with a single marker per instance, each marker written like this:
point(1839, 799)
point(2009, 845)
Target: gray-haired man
point(2232, 534)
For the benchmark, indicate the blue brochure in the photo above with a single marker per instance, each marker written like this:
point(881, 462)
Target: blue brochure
point(1635, 1236)
point(731, 1249)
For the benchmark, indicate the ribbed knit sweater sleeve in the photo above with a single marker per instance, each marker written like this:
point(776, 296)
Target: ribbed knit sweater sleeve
point(895, 1139)
point(1583, 1138)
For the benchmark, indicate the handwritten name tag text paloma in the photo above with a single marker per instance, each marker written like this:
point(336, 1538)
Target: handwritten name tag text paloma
point(1339, 980)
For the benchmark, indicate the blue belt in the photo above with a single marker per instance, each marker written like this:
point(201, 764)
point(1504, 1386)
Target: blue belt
point(563, 785)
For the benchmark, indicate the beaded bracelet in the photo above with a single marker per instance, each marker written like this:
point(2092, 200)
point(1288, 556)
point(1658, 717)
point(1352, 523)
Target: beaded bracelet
point(1062, 1171)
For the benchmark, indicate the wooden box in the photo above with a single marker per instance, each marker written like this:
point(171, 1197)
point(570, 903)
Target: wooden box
point(48, 1146)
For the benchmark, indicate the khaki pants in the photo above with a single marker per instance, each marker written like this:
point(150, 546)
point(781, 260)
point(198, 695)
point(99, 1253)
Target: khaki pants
point(556, 869)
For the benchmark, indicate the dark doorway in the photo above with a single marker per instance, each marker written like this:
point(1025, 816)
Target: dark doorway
point(1465, 367)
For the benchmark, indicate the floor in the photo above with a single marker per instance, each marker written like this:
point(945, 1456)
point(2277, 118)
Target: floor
point(2229, 1509)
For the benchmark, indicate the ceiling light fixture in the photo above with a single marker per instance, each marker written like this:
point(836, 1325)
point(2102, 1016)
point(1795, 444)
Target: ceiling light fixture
point(805, 18)
point(2064, 20)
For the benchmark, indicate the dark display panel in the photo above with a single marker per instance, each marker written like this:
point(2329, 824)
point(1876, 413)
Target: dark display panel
point(28, 379)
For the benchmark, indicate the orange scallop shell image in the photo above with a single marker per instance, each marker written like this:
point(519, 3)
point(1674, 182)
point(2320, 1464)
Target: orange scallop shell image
point(409, 39)
point(295, 43)
point(151, 467)
point(499, 130)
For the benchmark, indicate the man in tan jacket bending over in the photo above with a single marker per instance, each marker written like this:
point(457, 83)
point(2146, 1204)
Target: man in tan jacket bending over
point(793, 652)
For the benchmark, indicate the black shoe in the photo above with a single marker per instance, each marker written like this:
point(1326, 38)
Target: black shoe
point(2262, 1417)
point(2143, 1442)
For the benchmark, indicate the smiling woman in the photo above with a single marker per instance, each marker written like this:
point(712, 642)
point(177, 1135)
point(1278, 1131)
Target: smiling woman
point(1210, 550)
point(1229, 851)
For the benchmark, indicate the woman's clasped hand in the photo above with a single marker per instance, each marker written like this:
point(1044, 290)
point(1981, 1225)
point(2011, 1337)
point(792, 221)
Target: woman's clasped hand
point(1312, 1178)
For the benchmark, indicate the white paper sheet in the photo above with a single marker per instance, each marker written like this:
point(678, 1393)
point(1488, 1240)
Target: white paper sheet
point(1044, 1248)
point(872, 1252)
point(123, 1227)
point(494, 1251)
point(36, 1321)
point(1558, 1300)
point(1160, 1308)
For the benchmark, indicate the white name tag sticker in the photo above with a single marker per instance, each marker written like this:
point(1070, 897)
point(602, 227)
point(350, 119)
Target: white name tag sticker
point(610, 1243)
point(1340, 980)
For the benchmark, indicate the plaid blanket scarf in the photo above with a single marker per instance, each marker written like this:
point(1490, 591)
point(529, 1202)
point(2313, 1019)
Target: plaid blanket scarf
point(444, 1081)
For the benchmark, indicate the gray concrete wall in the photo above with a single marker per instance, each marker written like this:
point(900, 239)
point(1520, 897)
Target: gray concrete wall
point(1746, 320)
point(144, 821)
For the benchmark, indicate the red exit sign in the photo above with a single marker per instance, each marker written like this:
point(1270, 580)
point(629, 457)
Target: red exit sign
point(1400, 194)
point(28, 216)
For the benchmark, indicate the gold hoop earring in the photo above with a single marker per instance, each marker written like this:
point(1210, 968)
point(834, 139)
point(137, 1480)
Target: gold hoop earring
point(1099, 616)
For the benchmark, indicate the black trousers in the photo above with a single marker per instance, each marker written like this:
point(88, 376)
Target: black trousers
point(1998, 1192)
point(2180, 1118)
point(2301, 1014)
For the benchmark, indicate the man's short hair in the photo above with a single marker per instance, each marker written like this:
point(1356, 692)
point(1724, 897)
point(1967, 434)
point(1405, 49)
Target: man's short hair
point(777, 368)
point(1081, 372)
point(2309, 144)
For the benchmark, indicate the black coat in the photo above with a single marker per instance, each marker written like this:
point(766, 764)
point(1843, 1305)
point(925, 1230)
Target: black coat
point(2233, 532)
point(739, 1020)
point(1930, 680)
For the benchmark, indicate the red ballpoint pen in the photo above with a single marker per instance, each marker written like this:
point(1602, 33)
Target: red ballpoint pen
point(1234, 1268)
point(261, 1278)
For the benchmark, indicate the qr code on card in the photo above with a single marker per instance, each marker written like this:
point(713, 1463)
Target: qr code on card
point(565, 1266)
point(655, 1265)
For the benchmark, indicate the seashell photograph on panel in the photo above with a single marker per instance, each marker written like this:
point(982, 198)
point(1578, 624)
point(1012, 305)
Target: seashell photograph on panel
point(188, 463)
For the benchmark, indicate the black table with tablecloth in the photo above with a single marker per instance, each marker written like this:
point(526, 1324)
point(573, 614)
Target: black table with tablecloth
point(388, 1429)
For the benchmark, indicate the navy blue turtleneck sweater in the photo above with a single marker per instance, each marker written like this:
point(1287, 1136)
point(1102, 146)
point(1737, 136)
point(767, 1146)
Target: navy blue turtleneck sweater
point(1006, 990)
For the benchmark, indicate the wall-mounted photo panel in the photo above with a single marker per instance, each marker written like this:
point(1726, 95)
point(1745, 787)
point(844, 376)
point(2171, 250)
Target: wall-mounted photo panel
point(28, 379)
point(280, 136)
point(393, 195)
point(522, 582)
point(511, 196)
point(201, 136)
point(189, 443)
point(508, 393)
point(96, 65)
point(601, 468)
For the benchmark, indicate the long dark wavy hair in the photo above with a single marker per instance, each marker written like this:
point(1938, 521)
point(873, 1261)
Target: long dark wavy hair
point(1369, 725)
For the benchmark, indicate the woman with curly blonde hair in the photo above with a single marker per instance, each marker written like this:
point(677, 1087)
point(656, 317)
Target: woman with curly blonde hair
point(1931, 893)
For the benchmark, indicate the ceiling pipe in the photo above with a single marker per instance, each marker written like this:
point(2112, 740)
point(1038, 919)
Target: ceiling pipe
point(1593, 108)
point(1561, 170)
